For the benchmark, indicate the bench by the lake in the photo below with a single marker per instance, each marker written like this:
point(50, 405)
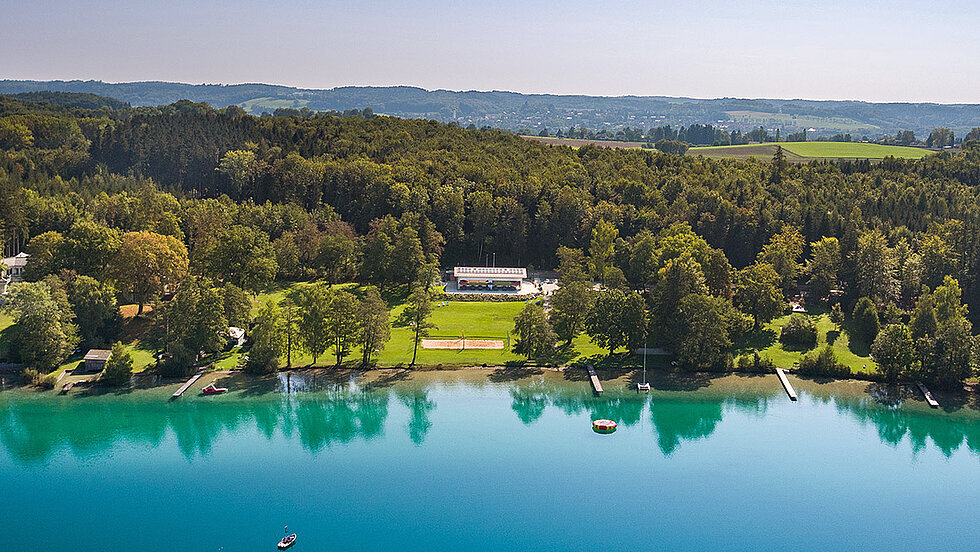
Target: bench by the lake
point(189, 383)
point(594, 378)
point(786, 385)
point(928, 395)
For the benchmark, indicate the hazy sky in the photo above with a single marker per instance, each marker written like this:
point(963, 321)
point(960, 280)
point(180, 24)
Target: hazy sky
point(820, 49)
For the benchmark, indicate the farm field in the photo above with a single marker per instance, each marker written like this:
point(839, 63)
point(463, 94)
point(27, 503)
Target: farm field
point(796, 152)
point(258, 105)
point(802, 152)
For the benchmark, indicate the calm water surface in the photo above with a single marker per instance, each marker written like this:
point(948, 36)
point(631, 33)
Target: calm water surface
point(459, 461)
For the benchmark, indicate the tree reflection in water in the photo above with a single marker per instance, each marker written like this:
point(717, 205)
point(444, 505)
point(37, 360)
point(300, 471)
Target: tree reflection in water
point(417, 400)
point(322, 411)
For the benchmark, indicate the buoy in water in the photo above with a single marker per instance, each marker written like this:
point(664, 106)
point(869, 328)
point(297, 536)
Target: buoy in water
point(603, 426)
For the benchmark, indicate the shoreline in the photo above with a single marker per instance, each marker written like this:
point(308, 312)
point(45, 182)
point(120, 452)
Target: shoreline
point(618, 383)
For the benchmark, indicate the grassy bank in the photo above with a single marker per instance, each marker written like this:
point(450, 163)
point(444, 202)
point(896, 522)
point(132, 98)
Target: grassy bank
point(766, 341)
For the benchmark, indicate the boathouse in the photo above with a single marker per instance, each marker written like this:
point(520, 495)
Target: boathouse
point(95, 359)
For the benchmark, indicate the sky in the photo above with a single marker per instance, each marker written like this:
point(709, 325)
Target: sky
point(818, 49)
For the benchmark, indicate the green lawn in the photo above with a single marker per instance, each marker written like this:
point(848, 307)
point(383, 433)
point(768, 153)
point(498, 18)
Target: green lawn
point(808, 151)
point(853, 149)
point(767, 343)
point(474, 319)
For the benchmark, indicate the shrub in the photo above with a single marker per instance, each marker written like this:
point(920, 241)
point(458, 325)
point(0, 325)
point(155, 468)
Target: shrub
point(47, 381)
point(865, 318)
point(32, 376)
point(823, 363)
point(483, 297)
point(800, 331)
point(755, 363)
point(119, 368)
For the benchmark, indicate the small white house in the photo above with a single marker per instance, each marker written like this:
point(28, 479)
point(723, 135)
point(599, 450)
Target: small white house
point(237, 336)
point(15, 266)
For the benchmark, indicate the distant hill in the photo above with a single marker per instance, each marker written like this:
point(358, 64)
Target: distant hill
point(84, 100)
point(533, 112)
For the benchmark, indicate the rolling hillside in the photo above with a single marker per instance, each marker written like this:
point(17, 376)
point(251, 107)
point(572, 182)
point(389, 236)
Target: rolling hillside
point(523, 112)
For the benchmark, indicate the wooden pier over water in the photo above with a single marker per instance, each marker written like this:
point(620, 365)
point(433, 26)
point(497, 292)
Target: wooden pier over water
point(786, 385)
point(187, 385)
point(594, 379)
point(928, 395)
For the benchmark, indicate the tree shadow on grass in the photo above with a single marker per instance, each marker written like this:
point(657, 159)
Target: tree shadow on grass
point(755, 340)
point(856, 344)
point(832, 336)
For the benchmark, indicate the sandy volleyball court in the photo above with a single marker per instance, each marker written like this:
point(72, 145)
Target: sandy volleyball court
point(461, 344)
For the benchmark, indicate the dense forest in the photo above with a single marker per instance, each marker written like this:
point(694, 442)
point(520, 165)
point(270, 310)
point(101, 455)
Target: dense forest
point(135, 202)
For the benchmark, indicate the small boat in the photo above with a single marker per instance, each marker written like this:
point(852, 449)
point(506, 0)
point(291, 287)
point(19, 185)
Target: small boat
point(287, 541)
point(212, 390)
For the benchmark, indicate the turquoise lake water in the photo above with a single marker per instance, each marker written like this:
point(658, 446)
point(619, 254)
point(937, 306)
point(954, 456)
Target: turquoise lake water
point(459, 461)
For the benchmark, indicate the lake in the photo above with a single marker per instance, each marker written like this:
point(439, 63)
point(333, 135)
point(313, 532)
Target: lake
point(488, 460)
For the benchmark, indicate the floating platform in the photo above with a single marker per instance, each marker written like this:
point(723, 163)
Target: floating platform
point(594, 379)
point(643, 387)
point(927, 394)
point(187, 385)
point(786, 385)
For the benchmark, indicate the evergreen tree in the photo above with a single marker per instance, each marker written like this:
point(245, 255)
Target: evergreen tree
point(119, 368)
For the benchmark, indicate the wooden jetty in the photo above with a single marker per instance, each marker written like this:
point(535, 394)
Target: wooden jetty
point(925, 393)
point(786, 385)
point(594, 379)
point(187, 385)
point(67, 387)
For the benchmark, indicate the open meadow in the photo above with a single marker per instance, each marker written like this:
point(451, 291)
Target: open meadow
point(802, 152)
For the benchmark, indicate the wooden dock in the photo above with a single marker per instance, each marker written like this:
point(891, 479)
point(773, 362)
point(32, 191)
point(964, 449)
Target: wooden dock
point(187, 385)
point(67, 387)
point(925, 393)
point(594, 379)
point(786, 385)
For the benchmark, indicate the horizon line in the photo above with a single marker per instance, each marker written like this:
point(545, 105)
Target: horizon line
point(460, 91)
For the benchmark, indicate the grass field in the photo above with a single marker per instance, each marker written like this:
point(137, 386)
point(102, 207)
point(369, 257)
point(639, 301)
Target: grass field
point(801, 152)
point(257, 105)
point(455, 318)
point(766, 342)
point(796, 152)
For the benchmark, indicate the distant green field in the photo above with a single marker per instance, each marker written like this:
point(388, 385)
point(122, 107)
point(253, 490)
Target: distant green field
point(809, 151)
point(258, 105)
